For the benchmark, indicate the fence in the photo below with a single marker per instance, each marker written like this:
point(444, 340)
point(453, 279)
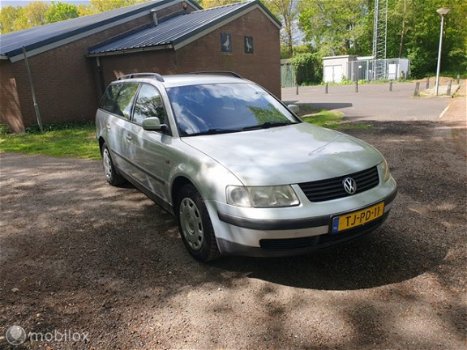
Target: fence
point(388, 69)
point(288, 76)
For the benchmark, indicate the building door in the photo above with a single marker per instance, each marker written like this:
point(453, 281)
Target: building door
point(332, 74)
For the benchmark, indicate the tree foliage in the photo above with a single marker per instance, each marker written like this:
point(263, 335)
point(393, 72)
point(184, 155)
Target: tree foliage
point(342, 27)
point(9, 19)
point(330, 27)
point(14, 18)
point(335, 27)
point(287, 12)
point(308, 67)
point(98, 6)
point(35, 12)
point(60, 11)
point(214, 3)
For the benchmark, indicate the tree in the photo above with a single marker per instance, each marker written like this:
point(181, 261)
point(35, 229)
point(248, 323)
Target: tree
point(60, 11)
point(287, 12)
point(214, 3)
point(413, 32)
point(35, 12)
point(9, 16)
point(337, 27)
point(107, 5)
point(342, 27)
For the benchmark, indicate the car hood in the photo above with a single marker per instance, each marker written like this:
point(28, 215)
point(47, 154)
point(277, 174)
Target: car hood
point(288, 154)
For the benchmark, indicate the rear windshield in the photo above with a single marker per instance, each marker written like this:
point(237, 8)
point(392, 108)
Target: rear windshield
point(218, 108)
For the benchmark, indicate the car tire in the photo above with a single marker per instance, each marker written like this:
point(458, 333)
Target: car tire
point(110, 171)
point(195, 225)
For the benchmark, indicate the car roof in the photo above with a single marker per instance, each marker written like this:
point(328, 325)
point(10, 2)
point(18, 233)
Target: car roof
point(190, 79)
point(195, 79)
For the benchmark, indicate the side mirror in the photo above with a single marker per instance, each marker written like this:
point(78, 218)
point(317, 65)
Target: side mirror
point(294, 108)
point(152, 124)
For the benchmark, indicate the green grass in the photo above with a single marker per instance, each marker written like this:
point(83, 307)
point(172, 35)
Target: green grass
point(76, 140)
point(333, 120)
point(79, 141)
point(327, 119)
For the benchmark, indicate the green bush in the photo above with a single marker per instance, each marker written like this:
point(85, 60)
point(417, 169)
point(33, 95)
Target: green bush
point(4, 129)
point(308, 68)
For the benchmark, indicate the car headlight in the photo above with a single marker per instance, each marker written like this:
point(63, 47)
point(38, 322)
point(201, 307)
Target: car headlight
point(385, 170)
point(262, 196)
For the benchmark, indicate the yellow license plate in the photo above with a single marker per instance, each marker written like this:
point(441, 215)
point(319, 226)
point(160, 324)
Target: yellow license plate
point(357, 218)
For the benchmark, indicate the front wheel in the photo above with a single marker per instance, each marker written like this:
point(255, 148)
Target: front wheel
point(195, 225)
point(111, 174)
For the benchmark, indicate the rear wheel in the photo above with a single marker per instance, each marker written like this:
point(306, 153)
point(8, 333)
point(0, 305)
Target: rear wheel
point(111, 174)
point(195, 225)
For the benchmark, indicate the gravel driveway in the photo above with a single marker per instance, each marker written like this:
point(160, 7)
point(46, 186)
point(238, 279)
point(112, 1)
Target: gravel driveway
point(79, 255)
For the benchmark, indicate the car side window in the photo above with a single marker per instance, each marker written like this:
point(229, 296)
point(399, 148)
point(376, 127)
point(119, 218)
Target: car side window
point(109, 99)
point(148, 105)
point(125, 99)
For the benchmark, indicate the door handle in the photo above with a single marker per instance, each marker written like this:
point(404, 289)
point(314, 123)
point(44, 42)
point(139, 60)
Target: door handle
point(129, 138)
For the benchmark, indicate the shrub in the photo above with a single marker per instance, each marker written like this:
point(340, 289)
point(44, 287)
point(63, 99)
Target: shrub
point(308, 68)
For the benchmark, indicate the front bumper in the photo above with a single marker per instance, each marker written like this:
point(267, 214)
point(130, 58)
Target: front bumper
point(297, 246)
point(285, 236)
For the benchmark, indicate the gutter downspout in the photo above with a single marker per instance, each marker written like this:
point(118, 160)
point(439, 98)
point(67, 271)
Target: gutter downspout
point(100, 76)
point(33, 93)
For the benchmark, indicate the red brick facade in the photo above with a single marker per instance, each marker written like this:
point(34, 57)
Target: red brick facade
point(66, 82)
point(263, 66)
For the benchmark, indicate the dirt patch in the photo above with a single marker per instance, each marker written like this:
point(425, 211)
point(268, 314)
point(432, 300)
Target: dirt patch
point(79, 255)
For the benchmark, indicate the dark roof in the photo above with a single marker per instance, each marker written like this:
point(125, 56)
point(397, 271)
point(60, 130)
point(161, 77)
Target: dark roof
point(11, 44)
point(175, 30)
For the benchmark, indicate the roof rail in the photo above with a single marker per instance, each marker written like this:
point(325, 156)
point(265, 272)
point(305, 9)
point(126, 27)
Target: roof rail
point(236, 75)
point(142, 75)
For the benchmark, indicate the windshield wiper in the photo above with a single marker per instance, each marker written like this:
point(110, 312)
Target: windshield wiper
point(266, 125)
point(214, 132)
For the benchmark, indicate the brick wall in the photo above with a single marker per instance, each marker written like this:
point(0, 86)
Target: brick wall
point(64, 80)
point(10, 105)
point(263, 66)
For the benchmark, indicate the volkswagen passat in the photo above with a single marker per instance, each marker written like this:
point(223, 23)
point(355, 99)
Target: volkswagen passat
point(239, 170)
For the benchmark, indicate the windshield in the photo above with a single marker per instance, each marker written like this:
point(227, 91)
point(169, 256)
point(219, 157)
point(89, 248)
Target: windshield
point(222, 108)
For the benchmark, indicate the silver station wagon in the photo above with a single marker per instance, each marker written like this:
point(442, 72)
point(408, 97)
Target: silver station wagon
point(242, 174)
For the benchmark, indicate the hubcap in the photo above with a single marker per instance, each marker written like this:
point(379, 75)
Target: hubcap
point(107, 164)
point(192, 225)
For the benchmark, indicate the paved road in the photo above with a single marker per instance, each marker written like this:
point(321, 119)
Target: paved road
point(372, 102)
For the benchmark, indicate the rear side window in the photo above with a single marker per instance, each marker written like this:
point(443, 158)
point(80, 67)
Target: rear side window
point(149, 105)
point(118, 99)
point(108, 100)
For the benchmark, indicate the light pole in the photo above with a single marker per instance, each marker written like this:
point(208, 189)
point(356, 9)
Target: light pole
point(443, 11)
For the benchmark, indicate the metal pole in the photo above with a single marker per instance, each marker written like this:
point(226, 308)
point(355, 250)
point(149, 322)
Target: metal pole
point(449, 88)
point(390, 86)
point(356, 85)
point(439, 54)
point(33, 93)
point(417, 89)
point(326, 88)
point(427, 83)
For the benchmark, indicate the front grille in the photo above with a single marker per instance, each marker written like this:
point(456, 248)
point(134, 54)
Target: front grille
point(324, 190)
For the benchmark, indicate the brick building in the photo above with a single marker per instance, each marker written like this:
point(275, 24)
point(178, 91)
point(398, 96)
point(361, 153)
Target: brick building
point(71, 61)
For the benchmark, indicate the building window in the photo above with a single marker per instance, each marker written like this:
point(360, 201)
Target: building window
point(248, 43)
point(226, 42)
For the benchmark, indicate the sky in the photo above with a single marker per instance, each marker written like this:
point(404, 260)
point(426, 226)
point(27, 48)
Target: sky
point(25, 2)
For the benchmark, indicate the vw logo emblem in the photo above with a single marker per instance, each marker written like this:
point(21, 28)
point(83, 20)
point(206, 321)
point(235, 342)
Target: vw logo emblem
point(350, 186)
